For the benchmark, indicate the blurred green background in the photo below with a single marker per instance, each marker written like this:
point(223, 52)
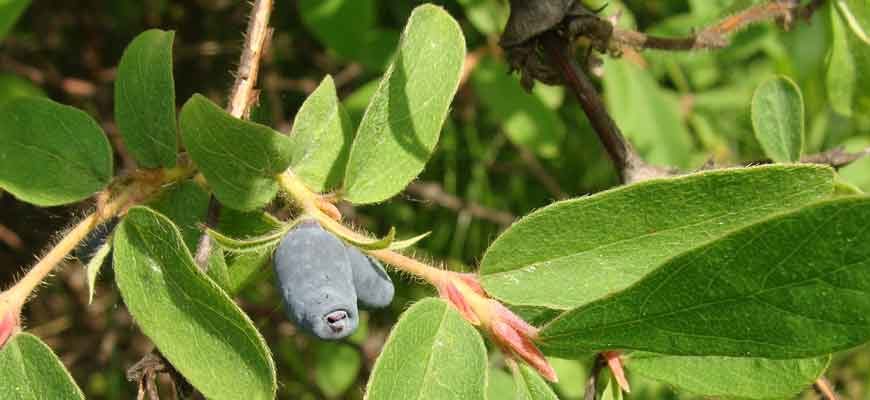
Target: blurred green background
point(502, 153)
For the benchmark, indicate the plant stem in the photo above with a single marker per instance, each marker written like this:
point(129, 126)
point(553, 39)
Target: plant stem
point(617, 147)
point(135, 192)
point(307, 201)
point(243, 93)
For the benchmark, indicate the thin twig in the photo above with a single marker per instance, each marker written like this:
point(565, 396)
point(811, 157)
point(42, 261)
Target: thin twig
point(824, 387)
point(435, 193)
point(540, 173)
point(715, 36)
point(620, 151)
point(592, 380)
point(836, 158)
point(11, 238)
point(242, 96)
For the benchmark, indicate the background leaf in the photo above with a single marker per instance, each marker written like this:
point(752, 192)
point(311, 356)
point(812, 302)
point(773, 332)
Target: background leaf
point(348, 27)
point(10, 10)
point(728, 377)
point(13, 86)
point(856, 14)
point(848, 88)
point(792, 286)
point(31, 371)
point(526, 119)
point(52, 154)
point(238, 158)
point(338, 365)
point(145, 99)
point(647, 114)
point(195, 325)
point(577, 251)
point(402, 123)
point(778, 119)
point(432, 353)
point(321, 138)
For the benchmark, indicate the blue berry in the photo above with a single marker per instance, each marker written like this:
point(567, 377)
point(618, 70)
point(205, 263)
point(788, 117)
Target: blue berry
point(315, 279)
point(374, 288)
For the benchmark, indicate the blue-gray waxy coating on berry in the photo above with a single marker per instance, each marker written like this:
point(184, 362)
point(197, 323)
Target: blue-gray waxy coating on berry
point(315, 279)
point(89, 246)
point(374, 288)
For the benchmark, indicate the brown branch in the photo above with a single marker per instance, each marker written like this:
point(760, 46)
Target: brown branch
point(715, 36)
point(836, 158)
point(623, 156)
point(592, 380)
point(243, 94)
point(435, 193)
point(823, 387)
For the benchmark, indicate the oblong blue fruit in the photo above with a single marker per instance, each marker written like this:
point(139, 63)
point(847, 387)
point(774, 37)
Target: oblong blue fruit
point(374, 288)
point(315, 279)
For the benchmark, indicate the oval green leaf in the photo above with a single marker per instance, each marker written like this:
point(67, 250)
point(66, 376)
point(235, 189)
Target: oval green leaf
point(792, 286)
point(196, 326)
point(403, 120)
point(31, 371)
point(431, 354)
point(778, 119)
point(728, 377)
point(52, 154)
point(145, 99)
point(321, 138)
point(577, 251)
point(239, 159)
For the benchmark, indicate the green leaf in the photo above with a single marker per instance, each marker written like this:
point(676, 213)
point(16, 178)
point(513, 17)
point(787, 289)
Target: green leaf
point(239, 159)
point(348, 27)
point(321, 139)
point(186, 205)
point(402, 123)
point(847, 87)
point(778, 119)
point(13, 86)
point(31, 371)
point(373, 243)
point(792, 286)
point(727, 377)
point(432, 353)
point(254, 245)
point(94, 266)
point(145, 99)
point(648, 115)
point(530, 385)
point(612, 390)
point(218, 270)
point(406, 243)
point(576, 251)
point(527, 120)
point(10, 11)
point(246, 268)
point(196, 326)
point(500, 385)
point(52, 154)
point(337, 367)
point(856, 14)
